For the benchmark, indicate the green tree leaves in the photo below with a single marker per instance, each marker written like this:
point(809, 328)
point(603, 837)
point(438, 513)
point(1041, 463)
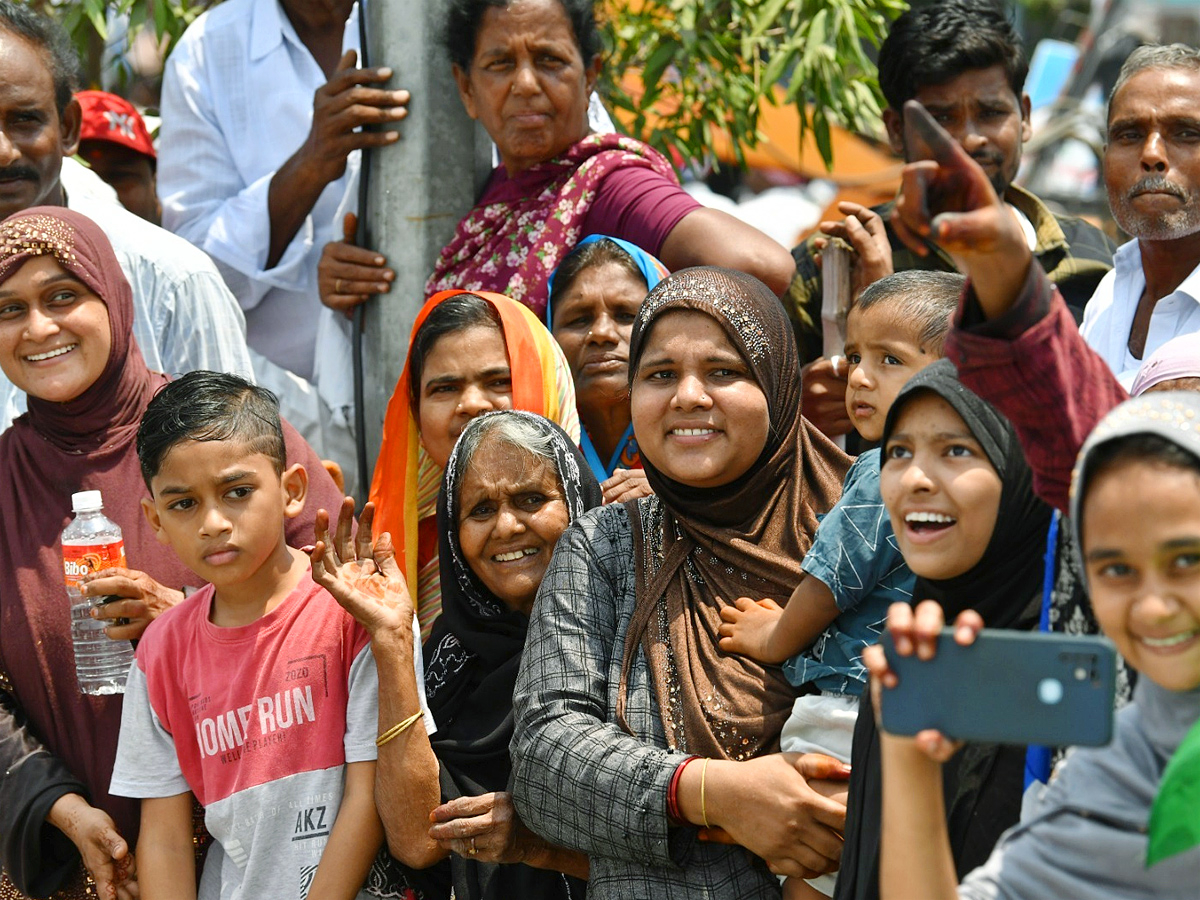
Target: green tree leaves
point(86, 21)
point(710, 63)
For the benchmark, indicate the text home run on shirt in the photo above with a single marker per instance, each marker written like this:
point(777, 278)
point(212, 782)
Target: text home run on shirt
point(259, 722)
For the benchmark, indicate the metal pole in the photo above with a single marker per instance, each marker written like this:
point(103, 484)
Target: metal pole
point(418, 188)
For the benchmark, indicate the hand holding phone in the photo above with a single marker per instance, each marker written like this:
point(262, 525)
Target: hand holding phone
point(1006, 687)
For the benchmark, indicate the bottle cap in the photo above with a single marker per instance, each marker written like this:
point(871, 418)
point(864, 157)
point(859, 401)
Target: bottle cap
point(86, 501)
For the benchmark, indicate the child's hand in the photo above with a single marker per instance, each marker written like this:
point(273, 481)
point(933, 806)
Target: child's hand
point(626, 484)
point(916, 632)
point(748, 628)
point(362, 576)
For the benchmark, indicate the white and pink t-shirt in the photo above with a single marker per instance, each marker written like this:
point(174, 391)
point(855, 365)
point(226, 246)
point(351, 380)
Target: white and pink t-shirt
point(258, 721)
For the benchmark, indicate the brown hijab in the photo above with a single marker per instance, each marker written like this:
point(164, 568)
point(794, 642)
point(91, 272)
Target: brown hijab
point(700, 549)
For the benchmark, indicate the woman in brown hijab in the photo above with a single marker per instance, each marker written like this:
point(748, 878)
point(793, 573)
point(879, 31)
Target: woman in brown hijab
point(66, 319)
point(632, 728)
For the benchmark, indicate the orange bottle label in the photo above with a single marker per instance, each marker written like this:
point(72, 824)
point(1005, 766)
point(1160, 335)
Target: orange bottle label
point(79, 560)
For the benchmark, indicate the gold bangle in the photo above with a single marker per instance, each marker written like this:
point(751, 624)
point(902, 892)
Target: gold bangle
point(397, 730)
point(703, 805)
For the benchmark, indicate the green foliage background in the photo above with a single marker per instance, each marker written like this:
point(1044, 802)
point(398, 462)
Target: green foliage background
point(86, 21)
point(717, 61)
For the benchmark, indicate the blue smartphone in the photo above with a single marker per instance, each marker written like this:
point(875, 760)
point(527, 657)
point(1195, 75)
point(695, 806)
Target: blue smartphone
point(1009, 687)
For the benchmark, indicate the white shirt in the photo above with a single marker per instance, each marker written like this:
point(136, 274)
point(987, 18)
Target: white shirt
point(80, 182)
point(236, 104)
point(184, 317)
point(1108, 316)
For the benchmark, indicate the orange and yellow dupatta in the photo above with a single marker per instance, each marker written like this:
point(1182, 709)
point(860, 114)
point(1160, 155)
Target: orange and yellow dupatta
point(406, 481)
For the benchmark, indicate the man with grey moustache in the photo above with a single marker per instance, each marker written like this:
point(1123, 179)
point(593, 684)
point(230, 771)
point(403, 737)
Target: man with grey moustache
point(1152, 173)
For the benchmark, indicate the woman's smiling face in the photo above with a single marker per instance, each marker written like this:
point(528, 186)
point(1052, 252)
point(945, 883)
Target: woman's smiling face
point(941, 492)
point(511, 513)
point(699, 416)
point(1141, 550)
point(55, 336)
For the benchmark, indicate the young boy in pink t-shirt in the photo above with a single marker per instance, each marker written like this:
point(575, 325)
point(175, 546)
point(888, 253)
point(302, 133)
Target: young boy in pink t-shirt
point(258, 694)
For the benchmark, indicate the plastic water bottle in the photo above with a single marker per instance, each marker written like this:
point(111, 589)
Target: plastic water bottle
point(90, 543)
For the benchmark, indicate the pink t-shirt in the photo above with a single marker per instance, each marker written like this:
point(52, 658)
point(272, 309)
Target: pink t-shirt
point(259, 722)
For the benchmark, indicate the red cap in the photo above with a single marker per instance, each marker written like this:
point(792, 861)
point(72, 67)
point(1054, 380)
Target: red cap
point(107, 117)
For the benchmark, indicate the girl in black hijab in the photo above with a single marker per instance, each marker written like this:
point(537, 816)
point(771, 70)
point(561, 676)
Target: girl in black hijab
point(983, 786)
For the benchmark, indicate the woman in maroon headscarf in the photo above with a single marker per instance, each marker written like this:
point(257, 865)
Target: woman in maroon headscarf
point(66, 317)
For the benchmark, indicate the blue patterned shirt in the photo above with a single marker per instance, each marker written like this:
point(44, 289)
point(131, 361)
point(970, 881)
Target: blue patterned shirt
point(855, 554)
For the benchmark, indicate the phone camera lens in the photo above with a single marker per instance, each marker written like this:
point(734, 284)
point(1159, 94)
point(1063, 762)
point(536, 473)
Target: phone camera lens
point(1050, 691)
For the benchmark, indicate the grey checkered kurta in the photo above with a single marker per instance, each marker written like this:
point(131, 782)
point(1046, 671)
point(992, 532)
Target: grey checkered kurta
point(579, 780)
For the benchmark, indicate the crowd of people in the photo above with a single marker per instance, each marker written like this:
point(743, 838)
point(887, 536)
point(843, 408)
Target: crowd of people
point(610, 621)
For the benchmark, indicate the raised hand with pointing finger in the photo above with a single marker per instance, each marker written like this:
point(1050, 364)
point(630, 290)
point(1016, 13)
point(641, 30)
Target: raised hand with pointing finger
point(947, 200)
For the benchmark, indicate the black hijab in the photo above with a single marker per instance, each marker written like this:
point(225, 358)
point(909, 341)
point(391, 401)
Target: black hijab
point(471, 662)
point(984, 782)
point(1012, 564)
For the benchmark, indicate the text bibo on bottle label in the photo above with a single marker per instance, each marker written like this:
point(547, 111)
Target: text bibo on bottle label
point(79, 561)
